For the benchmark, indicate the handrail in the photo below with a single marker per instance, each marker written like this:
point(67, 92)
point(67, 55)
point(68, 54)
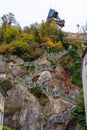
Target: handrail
point(57, 119)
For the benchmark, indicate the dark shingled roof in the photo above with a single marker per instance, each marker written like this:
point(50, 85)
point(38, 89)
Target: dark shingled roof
point(54, 14)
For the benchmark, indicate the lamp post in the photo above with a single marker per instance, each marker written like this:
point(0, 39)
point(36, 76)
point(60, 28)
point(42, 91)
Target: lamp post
point(48, 50)
point(78, 27)
point(41, 115)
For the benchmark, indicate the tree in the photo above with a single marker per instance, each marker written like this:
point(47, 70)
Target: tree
point(11, 19)
point(10, 34)
point(25, 37)
point(48, 29)
point(1, 35)
point(4, 21)
point(19, 48)
point(59, 36)
point(8, 20)
point(83, 28)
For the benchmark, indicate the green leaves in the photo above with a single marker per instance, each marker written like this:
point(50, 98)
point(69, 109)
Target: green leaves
point(10, 34)
point(6, 85)
point(73, 53)
point(79, 113)
point(19, 48)
point(6, 128)
point(37, 91)
point(72, 63)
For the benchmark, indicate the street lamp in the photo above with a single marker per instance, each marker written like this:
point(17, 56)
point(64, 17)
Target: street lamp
point(48, 50)
point(41, 115)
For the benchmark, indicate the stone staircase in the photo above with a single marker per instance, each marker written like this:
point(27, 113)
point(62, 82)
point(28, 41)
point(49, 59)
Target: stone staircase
point(60, 118)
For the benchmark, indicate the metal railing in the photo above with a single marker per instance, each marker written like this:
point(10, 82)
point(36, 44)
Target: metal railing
point(57, 119)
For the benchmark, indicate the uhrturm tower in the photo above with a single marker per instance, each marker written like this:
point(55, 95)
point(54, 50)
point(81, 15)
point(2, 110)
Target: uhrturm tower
point(53, 15)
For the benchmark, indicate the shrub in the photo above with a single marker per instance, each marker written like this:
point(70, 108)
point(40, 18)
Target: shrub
point(6, 85)
point(36, 91)
point(32, 68)
point(8, 60)
point(19, 48)
point(6, 128)
point(4, 48)
point(72, 63)
point(25, 56)
point(79, 113)
point(13, 109)
point(43, 100)
point(73, 53)
point(10, 34)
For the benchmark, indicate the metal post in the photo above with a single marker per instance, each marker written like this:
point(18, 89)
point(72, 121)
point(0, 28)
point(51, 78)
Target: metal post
point(41, 114)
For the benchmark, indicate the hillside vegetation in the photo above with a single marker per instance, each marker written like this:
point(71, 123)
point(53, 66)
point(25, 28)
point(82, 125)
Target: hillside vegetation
point(31, 42)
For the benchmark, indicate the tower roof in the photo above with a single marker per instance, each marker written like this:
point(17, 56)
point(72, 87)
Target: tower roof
point(54, 14)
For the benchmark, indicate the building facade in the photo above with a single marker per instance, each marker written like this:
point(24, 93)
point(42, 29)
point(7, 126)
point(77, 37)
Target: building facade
point(2, 100)
point(84, 79)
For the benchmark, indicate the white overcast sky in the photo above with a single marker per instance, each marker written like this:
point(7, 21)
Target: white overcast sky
point(30, 11)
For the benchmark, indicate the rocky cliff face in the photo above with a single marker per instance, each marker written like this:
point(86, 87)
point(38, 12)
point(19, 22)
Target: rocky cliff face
point(23, 111)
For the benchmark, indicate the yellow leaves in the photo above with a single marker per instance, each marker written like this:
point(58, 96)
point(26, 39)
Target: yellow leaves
point(12, 30)
point(27, 37)
point(10, 34)
point(15, 48)
point(59, 44)
point(53, 24)
point(50, 43)
point(19, 47)
point(54, 45)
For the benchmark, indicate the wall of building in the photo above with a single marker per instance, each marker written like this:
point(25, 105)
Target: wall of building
point(1, 127)
point(1, 110)
point(84, 81)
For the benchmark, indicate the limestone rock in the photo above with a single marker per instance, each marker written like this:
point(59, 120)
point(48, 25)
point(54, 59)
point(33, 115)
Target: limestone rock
point(22, 109)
